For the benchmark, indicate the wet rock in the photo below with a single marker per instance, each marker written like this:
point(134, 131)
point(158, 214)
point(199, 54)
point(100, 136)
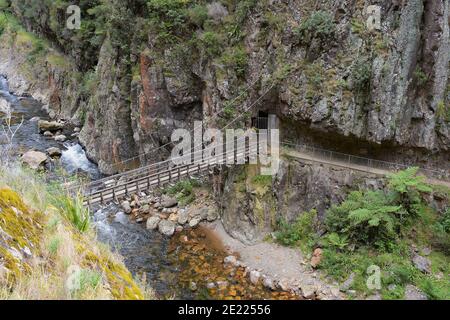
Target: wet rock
point(195, 222)
point(35, 119)
point(76, 129)
point(48, 134)
point(60, 138)
point(308, 291)
point(140, 220)
point(173, 217)
point(51, 126)
point(126, 206)
point(413, 293)
point(348, 283)
point(255, 276)
point(230, 260)
point(34, 159)
point(212, 215)
point(284, 285)
point(422, 263)
point(168, 202)
point(152, 222)
point(183, 217)
point(269, 283)
point(166, 227)
point(54, 152)
point(316, 258)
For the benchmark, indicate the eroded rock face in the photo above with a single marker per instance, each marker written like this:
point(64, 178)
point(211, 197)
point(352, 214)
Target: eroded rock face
point(250, 210)
point(387, 87)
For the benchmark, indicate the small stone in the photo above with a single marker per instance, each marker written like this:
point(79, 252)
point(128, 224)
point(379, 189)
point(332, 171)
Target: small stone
point(211, 285)
point(126, 207)
point(48, 134)
point(255, 276)
point(308, 292)
point(316, 258)
point(376, 296)
point(60, 138)
point(168, 202)
point(283, 284)
point(145, 209)
point(392, 287)
point(413, 293)
point(230, 260)
point(179, 229)
point(76, 129)
point(268, 283)
point(422, 263)
point(173, 217)
point(212, 215)
point(166, 227)
point(194, 222)
point(193, 286)
point(49, 126)
point(152, 222)
point(35, 119)
point(139, 220)
point(54, 152)
point(183, 217)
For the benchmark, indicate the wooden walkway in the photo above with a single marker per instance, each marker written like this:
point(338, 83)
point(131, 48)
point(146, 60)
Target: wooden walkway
point(163, 173)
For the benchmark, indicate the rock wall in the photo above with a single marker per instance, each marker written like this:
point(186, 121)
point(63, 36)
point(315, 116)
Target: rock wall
point(314, 64)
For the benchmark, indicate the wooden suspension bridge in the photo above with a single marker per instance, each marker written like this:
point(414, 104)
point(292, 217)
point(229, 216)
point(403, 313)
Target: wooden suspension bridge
point(166, 172)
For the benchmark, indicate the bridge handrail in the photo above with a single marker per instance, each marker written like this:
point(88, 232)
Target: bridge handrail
point(368, 162)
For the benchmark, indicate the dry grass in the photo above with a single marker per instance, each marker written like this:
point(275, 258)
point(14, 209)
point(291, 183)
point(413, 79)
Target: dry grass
point(66, 263)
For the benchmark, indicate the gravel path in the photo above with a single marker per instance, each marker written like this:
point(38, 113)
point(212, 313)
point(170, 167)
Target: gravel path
point(282, 264)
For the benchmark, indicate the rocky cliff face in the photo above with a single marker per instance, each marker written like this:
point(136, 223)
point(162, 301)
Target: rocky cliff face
point(139, 69)
point(316, 65)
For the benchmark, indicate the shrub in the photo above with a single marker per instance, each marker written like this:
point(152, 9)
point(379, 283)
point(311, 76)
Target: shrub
point(211, 42)
point(183, 191)
point(73, 209)
point(236, 59)
point(319, 25)
point(362, 75)
point(198, 15)
point(420, 76)
point(301, 232)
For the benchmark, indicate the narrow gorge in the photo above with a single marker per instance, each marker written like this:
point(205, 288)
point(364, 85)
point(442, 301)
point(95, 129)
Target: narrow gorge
point(347, 94)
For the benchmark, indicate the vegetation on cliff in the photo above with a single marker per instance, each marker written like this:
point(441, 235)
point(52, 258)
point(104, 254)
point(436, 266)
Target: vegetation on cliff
point(48, 250)
point(386, 228)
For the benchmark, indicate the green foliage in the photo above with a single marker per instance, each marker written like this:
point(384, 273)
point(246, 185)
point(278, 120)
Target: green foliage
point(336, 241)
point(4, 4)
point(262, 180)
point(420, 76)
point(235, 58)
point(183, 191)
point(72, 209)
point(320, 25)
point(362, 75)
point(301, 232)
point(442, 111)
point(376, 218)
point(211, 43)
point(198, 14)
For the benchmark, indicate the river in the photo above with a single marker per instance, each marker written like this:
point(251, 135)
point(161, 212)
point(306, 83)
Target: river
point(183, 267)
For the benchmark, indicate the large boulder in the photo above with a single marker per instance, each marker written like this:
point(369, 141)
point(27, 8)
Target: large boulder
point(152, 222)
point(51, 126)
point(34, 159)
point(166, 227)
